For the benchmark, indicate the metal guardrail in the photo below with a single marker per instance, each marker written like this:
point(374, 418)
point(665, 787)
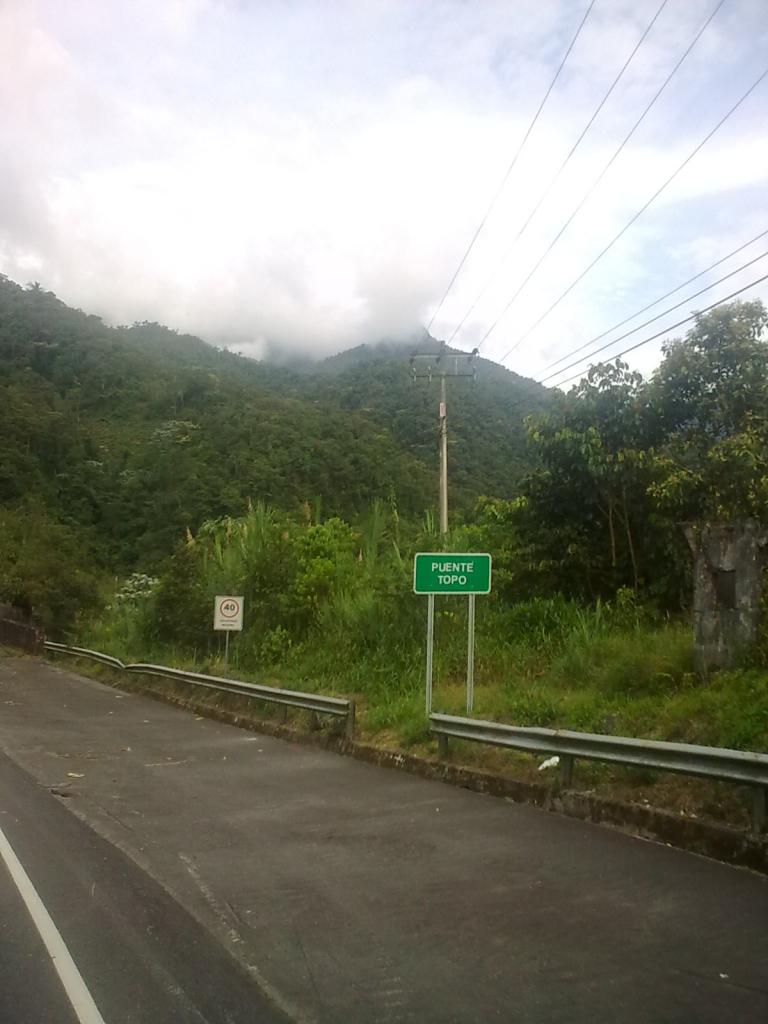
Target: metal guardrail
point(739, 766)
point(338, 706)
point(318, 703)
point(84, 652)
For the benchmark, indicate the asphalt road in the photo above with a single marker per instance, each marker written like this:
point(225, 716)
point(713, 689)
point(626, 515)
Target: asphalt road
point(30, 989)
point(141, 956)
point(348, 892)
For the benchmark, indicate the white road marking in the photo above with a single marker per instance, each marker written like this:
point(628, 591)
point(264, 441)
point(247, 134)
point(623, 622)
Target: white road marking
point(82, 1002)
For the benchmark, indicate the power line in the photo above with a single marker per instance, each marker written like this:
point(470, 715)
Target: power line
point(639, 213)
point(654, 337)
point(559, 171)
point(590, 191)
point(655, 302)
point(653, 319)
point(509, 170)
point(646, 341)
point(679, 323)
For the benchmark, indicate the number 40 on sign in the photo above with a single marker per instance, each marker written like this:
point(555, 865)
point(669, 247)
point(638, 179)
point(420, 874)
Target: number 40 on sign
point(228, 618)
point(228, 613)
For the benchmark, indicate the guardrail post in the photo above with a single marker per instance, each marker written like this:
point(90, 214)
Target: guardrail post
point(442, 745)
point(566, 770)
point(351, 721)
point(282, 715)
point(759, 807)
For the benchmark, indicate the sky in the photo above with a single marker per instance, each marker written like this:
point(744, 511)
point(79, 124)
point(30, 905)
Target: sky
point(302, 176)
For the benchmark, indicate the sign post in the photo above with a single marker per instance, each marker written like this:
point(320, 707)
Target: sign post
point(447, 572)
point(227, 617)
point(471, 653)
point(430, 645)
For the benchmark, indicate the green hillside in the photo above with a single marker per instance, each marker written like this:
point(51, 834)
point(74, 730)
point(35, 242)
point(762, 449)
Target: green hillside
point(304, 488)
point(129, 436)
point(488, 453)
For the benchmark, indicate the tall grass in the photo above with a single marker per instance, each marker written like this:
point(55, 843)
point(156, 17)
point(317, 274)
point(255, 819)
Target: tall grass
point(331, 608)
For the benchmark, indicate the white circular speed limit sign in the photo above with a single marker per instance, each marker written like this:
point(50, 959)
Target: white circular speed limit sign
point(228, 612)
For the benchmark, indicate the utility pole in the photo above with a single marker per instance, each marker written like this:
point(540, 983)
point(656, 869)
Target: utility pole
point(443, 364)
point(443, 427)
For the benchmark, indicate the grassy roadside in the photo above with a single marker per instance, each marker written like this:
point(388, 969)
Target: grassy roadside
point(616, 670)
point(719, 803)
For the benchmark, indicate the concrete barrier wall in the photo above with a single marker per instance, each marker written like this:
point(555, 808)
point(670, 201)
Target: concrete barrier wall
point(20, 634)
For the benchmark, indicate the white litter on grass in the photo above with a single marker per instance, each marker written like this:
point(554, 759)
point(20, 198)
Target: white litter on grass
point(551, 762)
point(75, 775)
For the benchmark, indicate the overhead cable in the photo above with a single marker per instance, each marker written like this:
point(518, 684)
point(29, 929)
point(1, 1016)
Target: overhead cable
point(653, 319)
point(509, 170)
point(637, 215)
point(654, 337)
point(679, 323)
point(590, 191)
point(532, 213)
point(650, 305)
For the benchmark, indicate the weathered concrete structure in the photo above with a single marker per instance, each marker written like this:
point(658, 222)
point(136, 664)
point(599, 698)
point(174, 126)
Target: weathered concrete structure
point(729, 560)
point(17, 631)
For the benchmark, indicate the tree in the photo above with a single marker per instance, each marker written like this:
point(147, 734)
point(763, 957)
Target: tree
point(710, 400)
point(45, 568)
point(583, 514)
point(715, 379)
point(625, 462)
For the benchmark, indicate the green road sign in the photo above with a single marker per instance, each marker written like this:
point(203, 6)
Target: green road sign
point(446, 572)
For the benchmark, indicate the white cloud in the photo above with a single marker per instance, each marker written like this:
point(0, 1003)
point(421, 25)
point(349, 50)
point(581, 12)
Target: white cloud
point(306, 175)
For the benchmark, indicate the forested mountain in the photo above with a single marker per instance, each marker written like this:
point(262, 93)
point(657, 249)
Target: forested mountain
point(118, 443)
point(585, 627)
point(128, 436)
point(488, 453)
